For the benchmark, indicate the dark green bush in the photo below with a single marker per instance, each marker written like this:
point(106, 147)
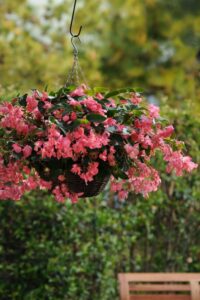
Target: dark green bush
point(74, 252)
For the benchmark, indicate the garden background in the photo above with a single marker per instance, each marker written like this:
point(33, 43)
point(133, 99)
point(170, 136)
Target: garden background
point(70, 252)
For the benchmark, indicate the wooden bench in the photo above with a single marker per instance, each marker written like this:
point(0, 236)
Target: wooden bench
point(159, 286)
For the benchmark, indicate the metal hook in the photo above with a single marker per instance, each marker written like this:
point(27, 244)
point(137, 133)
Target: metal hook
point(74, 46)
point(71, 24)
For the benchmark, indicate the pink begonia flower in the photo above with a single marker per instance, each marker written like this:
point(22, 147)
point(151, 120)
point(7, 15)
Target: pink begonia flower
point(73, 116)
point(44, 96)
point(76, 169)
point(66, 118)
point(99, 96)
point(45, 184)
point(154, 111)
point(111, 157)
point(61, 178)
point(32, 103)
point(88, 176)
point(132, 151)
point(144, 124)
point(116, 186)
point(91, 172)
point(166, 132)
point(123, 195)
point(58, 114)
point(26, 170)
point(27, 150)
point(74, 103)
point(38, 145)
point(58, 194)
point(12, 181)
point(136, 99)
point(47, 105)
point(123, 101)
point(79, 92)
point(144, 179)
point(13, 118)
point(119, 188)
point(103, 156)
point(147, 142)
point(110, 122)
point(93, 105)
point(17, 148)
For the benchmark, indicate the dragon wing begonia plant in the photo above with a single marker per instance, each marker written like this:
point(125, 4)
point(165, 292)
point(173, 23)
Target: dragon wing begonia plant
point(73, 141)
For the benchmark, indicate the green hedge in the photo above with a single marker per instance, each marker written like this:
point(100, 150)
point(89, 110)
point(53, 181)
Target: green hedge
point(74, 252)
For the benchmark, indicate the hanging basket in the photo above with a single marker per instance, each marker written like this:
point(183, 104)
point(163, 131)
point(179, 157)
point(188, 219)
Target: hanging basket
point(72, 141)
point(47, 170)
point(77, 185)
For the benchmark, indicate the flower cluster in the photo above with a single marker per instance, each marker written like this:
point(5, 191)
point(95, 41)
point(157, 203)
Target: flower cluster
point(46, 139)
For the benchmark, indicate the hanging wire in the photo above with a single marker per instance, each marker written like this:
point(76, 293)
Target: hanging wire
point(73, 76)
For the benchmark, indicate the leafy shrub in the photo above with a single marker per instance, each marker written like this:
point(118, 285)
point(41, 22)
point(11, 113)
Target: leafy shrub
point(53, 251)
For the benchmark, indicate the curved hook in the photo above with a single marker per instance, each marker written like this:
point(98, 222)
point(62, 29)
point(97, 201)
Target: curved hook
point(74, 46)
point(71, 24)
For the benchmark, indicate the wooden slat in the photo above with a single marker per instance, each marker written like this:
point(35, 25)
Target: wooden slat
point(159, 287)
point(124, 288)
point(195, 290)
point(159, 277)
point(159, 297)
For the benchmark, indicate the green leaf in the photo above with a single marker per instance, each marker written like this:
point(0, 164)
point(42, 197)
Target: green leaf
point(112, 111)
point(60, 125)
point(41, 106)
point(95, 118)
point(67, 108)
point(123, 91)
point(52, 119)
point(100, 89)
point(73, 125)
point(22, 100)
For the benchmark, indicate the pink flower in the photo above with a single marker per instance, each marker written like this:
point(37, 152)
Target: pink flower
point(144, 179)
point(154, 111)
point(79, 92)
point(44, 96)
point(13, 117)
point(76, 169)
point(103, 156)
point(116, 186)
point(110, 122)
point(32, 103)
point(27, 150)
point(111, 157)
point(144, 124)
point(166, 132)
point(47, 105)
point(66, 118)
point(99, 96)
point(136, 99)
point(17, 148)
point(74, 102)
point(61, 178)
point(132, 151)
point(93, 105)
point(73, 116)
point(91, 172)
point(123, 195)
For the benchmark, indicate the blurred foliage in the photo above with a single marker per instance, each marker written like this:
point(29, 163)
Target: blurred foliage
point(54, 251)
point(153, 44)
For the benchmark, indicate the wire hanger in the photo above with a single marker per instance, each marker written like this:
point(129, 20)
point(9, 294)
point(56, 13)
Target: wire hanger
point(73, 35)
point(76, 71)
